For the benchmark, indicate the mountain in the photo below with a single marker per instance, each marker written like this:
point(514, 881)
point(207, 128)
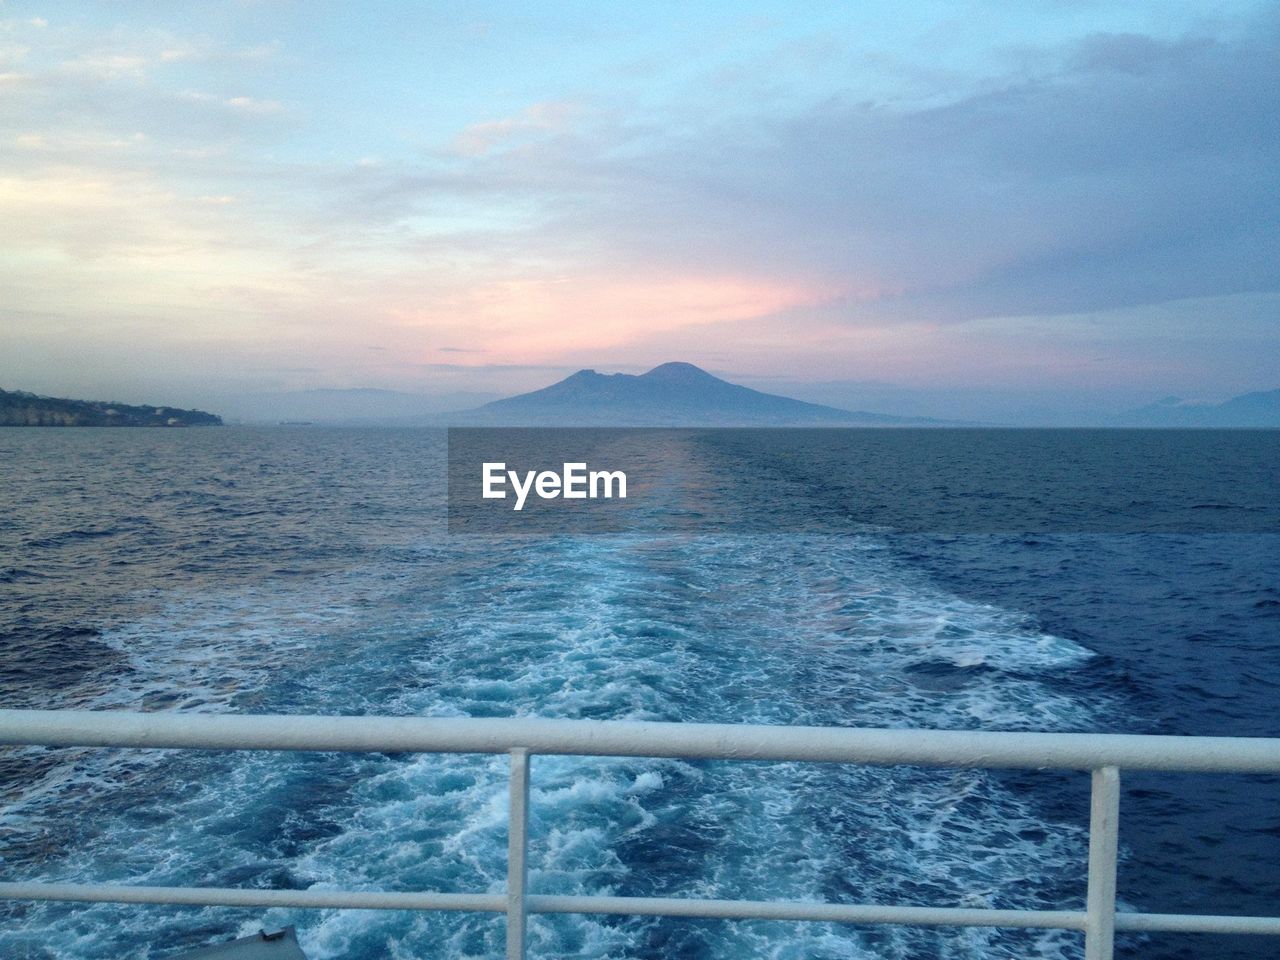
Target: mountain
point(1261, 409)
point(21, 409)
point(673, 394)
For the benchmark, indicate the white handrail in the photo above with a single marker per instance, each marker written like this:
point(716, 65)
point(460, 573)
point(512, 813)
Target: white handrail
point(621, 738)
point(1103, 754)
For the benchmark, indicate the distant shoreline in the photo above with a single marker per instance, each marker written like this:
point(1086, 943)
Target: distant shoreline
point(21, 409)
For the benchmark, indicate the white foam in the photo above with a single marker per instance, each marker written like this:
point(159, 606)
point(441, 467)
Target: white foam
point(763, 629)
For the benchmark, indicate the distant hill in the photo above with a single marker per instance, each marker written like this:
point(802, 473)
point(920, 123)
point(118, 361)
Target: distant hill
point(1261, 409)
point(673, 394)
point(21, 409)
point(352, 407)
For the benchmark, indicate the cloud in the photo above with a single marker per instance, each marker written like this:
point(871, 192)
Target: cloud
point(250, 105)
point(1093, 187)
point(149, 175)
point(76, 92)
point(109, 65)
point(1129, 170)
point(538, 119)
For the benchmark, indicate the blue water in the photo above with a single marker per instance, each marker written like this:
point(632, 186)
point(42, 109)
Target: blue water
point(297, 570)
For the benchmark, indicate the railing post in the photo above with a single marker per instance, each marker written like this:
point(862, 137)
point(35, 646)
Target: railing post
point(517, 847)
point(1104, 834)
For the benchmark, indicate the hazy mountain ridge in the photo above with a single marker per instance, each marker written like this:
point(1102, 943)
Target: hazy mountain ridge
point(1258, 409)
point(21, 409)
point(360, 406)
point(673, 394)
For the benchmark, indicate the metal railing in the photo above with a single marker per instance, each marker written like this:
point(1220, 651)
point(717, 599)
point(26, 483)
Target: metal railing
point(1103, 754)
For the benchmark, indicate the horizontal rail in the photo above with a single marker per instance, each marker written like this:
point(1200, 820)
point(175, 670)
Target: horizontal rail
point(818, 912)
point(942, 748)
point(633, 906)
point(1197, 923)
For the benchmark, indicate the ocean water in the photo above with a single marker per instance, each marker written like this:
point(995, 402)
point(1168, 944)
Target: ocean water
point(311, 571)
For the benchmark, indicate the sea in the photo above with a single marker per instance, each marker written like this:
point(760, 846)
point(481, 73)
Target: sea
point(314, 570)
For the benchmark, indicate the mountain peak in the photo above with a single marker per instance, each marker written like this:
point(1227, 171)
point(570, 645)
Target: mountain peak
point(677, 370)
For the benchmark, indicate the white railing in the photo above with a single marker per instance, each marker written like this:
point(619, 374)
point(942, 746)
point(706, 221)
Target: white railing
point(1103, 754)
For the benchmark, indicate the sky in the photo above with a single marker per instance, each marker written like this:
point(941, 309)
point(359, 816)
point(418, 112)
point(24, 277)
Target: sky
point(1068, 204)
